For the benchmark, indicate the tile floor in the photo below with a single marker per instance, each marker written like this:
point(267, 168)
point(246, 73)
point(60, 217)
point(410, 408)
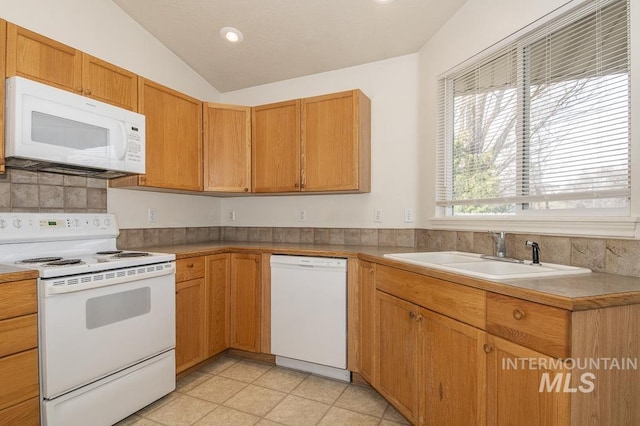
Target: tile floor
point(231, 391)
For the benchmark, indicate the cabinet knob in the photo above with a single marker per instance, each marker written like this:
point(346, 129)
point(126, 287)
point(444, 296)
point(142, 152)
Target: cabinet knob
point(295, 185)
point(190, 265)
point(79, 89)
point(487, 348)
point(414, 316)
point(87, 91)
point(518, 314)
point(246, 190)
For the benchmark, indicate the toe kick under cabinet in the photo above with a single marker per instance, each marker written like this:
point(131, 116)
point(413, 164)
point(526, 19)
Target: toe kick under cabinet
point(449, 354)
point(19, 394)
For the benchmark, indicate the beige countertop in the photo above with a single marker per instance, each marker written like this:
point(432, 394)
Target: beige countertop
point(578, 292)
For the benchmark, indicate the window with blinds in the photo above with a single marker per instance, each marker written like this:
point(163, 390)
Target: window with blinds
point(543, 124)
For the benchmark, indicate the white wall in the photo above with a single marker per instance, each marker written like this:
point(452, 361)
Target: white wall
point(392, 87)
point(102, 29)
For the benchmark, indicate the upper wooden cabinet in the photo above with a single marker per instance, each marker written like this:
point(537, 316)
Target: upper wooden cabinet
point(336, 147)
point(36, 57)
point(275, 158)
point(174, 139)
point(108, 83)
point(227, 148)
point(319, 144)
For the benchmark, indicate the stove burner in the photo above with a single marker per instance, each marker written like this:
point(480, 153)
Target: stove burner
point(39, 260)
point(102, 253)
point(131, 254)
point(64, 262)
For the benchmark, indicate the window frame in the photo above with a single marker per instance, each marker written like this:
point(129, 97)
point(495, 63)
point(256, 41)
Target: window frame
point(583, 222)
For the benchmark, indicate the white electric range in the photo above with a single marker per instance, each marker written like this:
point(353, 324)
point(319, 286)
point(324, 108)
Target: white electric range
point(106, 317)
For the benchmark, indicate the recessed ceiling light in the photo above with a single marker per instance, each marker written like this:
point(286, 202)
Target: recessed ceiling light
point(232, 35)
point(383, 1)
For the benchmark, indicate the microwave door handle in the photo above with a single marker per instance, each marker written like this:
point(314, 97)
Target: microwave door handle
point(121, 150)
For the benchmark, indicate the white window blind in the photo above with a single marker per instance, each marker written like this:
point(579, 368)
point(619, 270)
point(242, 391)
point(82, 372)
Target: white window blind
point(543, 124)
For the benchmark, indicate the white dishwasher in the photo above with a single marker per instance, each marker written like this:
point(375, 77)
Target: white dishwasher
point(309, 314)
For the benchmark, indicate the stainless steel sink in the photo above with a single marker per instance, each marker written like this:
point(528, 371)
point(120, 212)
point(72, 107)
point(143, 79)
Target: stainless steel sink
point(473, 265)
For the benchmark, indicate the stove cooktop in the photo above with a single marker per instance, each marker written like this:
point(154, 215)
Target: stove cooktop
point(63, 244)
point(56, 266)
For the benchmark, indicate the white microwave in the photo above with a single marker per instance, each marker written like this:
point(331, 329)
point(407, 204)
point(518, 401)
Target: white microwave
point(50, 129)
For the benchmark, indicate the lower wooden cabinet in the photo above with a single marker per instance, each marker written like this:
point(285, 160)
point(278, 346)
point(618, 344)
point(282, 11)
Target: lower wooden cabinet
point(366, 321)
point(398, 353)
point(19, 381)
point(514, 377)
point(217, 310)
point(246, 302)
point(218, 306)
point(454, 372)
point(190, 323)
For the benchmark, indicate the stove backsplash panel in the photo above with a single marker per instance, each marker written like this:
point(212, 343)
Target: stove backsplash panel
point(38, 192)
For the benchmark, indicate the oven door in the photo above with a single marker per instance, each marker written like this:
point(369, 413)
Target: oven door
point(90, 334)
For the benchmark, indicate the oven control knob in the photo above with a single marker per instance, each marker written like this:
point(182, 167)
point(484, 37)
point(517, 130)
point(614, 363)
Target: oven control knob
point(3, 223)
point(96, 221)
point(17, 223)
point(107, 221)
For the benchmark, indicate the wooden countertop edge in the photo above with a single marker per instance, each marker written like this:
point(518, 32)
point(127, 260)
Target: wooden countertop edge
point(375, 254)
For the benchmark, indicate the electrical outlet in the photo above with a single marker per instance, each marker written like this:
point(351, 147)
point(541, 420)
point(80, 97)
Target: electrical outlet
point(231, 215)
point(377, 215)
point(151, 215)
point(302, 215)
point(409, 215)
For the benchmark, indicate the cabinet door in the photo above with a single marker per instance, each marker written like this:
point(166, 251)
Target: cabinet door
point(336, 142)
point(227, 148)
point(39, 58)
point(398, 354)
point(3, 47)
point(19, 378)
point(246, 302)
point(190, 323)
point(217, 317)
point(366, 309)
point(174, 138)
point(108, 83)
point(454, 373)
point(275, 155)
point(514, 394)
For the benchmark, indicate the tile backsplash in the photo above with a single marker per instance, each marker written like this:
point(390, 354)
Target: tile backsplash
point(27, 191)
point(616, 256)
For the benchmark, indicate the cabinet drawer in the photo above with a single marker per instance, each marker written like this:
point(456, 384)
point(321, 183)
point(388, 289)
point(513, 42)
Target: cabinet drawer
point(189, 269)
point(18, 298)
point(18, 334)
point(26, 413)
point(456, 301)
point(19, 378)
point(543, 328)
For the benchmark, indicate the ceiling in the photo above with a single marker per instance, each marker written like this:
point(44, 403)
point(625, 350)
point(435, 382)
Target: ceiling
point(284, 39)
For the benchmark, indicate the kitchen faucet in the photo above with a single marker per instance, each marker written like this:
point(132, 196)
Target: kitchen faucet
point(501, 247)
